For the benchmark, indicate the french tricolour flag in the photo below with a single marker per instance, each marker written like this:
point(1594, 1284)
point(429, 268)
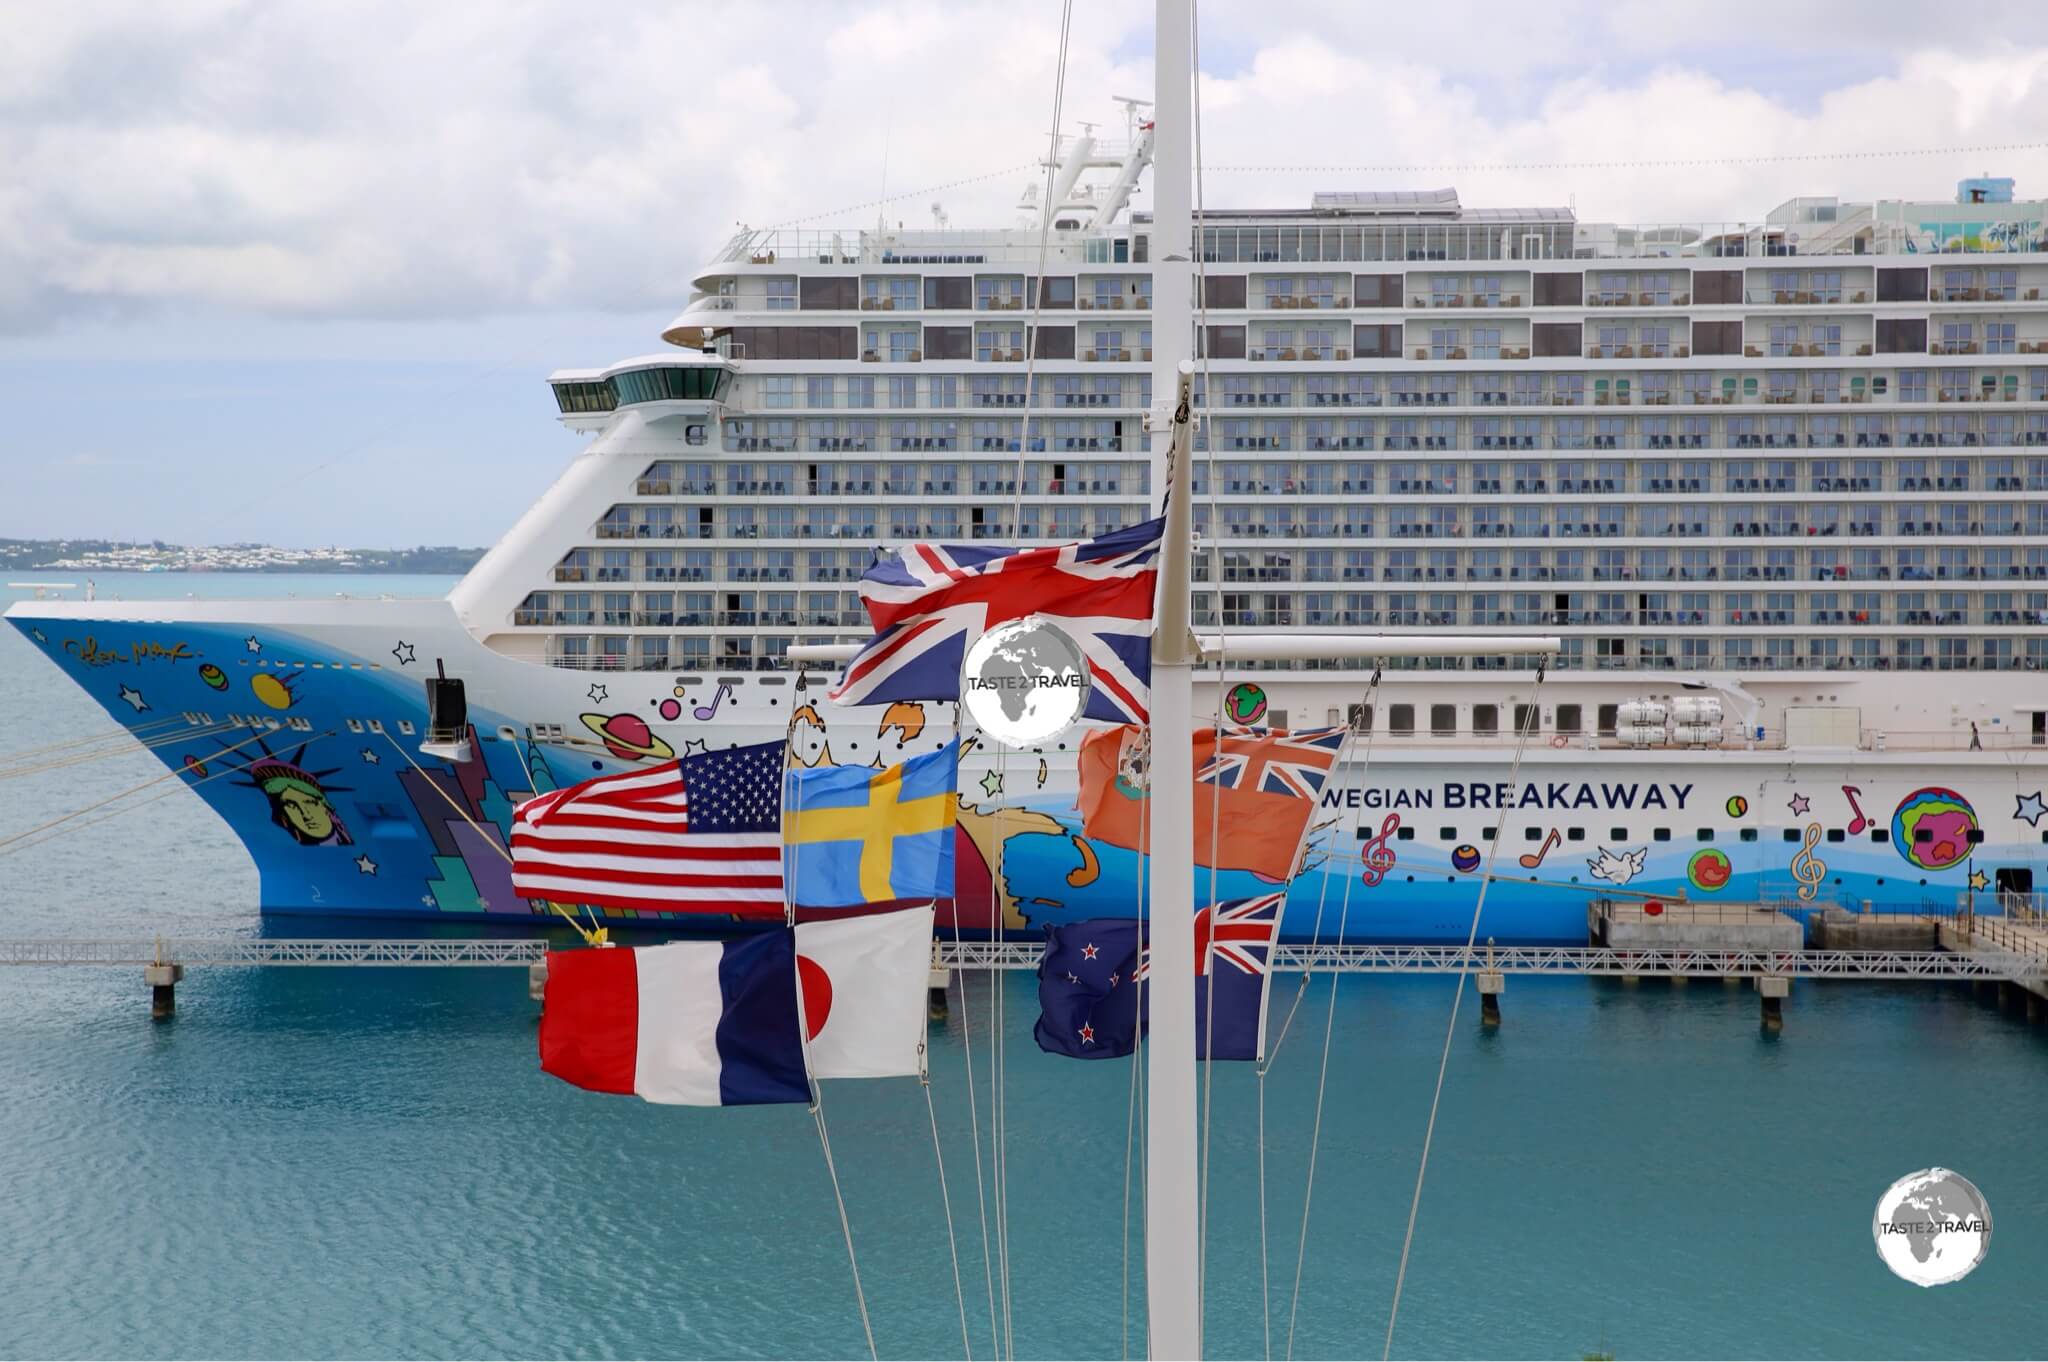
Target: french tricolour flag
point(722, 1024)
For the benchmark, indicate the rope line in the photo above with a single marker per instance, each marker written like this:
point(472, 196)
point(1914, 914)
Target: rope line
point(1451, 1027)
point(1329, 1027)
point(153, 743)
point(130, 808)
point(123, 794)
point(946, 1199)
point(860, 1295)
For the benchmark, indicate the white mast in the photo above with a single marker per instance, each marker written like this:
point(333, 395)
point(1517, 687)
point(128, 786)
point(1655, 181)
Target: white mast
point(1173, 1299)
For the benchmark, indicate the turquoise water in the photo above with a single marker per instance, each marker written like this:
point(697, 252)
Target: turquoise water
point(368, 1162)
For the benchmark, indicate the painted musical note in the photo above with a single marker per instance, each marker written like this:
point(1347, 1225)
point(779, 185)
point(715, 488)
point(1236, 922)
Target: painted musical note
point(1379, 856)
point(1859, 822)
point(718, 698)
point(1808, 868)
point(1530, 860)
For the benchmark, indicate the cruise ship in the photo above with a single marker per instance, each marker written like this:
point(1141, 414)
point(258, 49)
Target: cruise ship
point(1779, 486)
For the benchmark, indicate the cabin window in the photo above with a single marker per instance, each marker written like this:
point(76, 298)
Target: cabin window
point(1401, 720)
point(1276, 718)
point(1836, 835)
point(1661, 835)
point(1608, 717)
point(1532, 834)
point(1791, 834)
point(1404, 834)
point(1568, 718)
point(1617, 834)
point(1749, 834)
point(1359, 717)
point(1525, 719)
point(1975, 836)
point(1881, 836)
point(1706, 834)
point(1443, 720)
point(1447, 834)
point(1575, 834)
point(1486, 720)
point(1488, 834)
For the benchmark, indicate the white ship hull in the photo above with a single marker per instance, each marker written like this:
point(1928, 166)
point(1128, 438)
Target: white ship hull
point(306, 721)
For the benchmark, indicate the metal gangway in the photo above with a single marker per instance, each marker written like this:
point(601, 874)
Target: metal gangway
point(1596, 961)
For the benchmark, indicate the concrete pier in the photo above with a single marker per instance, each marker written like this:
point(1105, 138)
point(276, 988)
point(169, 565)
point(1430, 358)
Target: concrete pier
point(1838, 929)
point(537, 980)
point(1492, 983)
point(163, 980)
point(935, 1004)
point(1682, 925)
point(1773, 989)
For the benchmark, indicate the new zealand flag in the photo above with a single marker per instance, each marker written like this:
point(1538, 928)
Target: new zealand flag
point(1090, 983)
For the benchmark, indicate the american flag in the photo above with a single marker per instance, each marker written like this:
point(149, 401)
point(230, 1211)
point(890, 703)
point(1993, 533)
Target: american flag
point(931, 601)
point(1287, 763)
point(697, 835)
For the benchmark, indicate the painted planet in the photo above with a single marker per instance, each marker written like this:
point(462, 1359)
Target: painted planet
point(213, 676)
point(271, 691)
point(1737, 806)
point(1933, 827)
point(670, 710)
point(1709, 870)
point(1246, 703)
point(1465, 858)
point(194, 767)
point(627, 736)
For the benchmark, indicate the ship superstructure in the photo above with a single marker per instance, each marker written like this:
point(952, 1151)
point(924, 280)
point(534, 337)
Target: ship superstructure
point(1781, 488)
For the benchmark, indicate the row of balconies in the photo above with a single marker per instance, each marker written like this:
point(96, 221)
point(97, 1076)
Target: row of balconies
point(1317, 574)
point(1600, 396)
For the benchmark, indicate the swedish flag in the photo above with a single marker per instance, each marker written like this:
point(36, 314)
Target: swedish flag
point(853, 834)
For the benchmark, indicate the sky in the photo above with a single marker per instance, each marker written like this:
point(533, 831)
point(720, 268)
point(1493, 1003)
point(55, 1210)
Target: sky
point(297, 272)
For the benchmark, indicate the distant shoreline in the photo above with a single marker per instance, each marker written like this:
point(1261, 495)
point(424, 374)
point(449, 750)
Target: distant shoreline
point(88, 556)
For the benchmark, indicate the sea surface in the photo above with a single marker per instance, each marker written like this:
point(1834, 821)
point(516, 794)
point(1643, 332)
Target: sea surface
point(335, 1163)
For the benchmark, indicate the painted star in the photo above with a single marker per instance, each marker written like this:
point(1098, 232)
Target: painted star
point(38, 635)
point(693, 745)
point(251, 644)
point(598, 694)
point(365, 866)
point(1798, 804)
point(427, 900)
point(1979, 880)
point(483, 903)
point(1073, 978)
point(1087, 1034)
point(992, 783)
point(1112, 981)
point(371, 757)
point(403, 652)
point(2030, 808)
point(1090, 951)
point(133, 697)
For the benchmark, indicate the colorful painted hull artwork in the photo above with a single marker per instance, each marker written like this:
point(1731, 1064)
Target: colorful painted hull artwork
point(310, 751)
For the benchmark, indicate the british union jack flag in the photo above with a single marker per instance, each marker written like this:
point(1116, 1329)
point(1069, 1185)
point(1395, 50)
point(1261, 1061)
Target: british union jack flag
point(1276, 762)
point(930, 602)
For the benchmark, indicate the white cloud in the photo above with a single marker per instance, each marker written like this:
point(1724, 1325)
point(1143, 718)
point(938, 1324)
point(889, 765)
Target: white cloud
point(381, 159)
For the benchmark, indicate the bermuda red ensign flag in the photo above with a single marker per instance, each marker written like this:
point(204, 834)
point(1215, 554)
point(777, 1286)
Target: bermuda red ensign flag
point(698, 835)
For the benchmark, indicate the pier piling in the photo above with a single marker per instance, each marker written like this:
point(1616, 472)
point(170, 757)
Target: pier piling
point(537, 980)
point(1773, 988)
point(935, 993)
point(162, 979)
point(1492, 983)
